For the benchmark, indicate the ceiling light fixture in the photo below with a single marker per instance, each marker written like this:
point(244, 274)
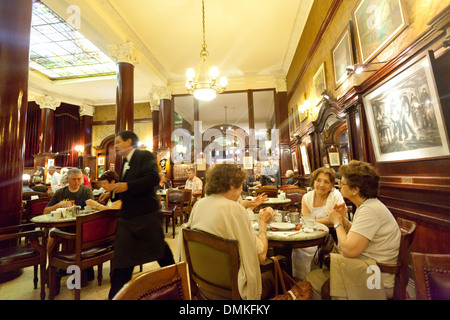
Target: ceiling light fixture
point(205, 88)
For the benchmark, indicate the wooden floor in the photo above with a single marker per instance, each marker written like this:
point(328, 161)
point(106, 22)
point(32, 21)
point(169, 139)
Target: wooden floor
point(22, 287)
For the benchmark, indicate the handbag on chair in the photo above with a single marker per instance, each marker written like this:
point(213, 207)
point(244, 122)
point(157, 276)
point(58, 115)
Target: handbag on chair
point(299, 290)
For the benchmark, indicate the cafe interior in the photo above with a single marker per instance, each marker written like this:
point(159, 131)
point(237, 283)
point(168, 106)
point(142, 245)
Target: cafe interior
point(301, 84)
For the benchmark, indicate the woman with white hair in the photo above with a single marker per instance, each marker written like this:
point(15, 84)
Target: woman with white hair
point(290, 177)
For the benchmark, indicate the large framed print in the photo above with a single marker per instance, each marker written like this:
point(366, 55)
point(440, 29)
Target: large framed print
point(294, 161)
point(319, 84)
point(342, 56)
point(404, 116)
point(377, 23)
point(305, 159)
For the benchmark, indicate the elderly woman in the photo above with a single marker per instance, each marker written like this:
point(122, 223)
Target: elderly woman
point(315, 205)
point(221, 214)
point(107, 180)
point(373, 236)
point(289, 177)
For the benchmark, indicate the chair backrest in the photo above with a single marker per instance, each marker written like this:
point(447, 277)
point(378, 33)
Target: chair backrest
point(167, 283)
point(296, 196)
point(35, 208)
point(271, 191)
point(174, 196)
point(95, 230)
point(213, 265)
point(400, 269)
point(431, 276)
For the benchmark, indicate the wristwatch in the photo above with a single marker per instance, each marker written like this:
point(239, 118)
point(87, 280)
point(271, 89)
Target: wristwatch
point(337, 225)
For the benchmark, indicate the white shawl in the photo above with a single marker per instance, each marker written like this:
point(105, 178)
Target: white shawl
point(334, 197)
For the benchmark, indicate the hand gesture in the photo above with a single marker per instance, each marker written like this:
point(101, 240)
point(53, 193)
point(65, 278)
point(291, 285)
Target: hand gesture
point(266, 215)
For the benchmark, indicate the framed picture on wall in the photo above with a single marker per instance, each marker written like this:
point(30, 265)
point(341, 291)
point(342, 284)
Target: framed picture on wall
point(319, 84)
point(404, 115)
point(305, 159)
point(101, 160)
point(294, 161)
point(342, 56)
point(50, 163)
point(334, 159)
point(377, 23)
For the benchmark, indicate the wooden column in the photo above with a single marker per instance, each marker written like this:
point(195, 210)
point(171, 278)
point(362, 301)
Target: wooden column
point(86, 123)
point(155, 122)
point(165, 123)
point(282, 124)
point(125, 97)
point(125, 57)
point(15, 24)
point(48, 105)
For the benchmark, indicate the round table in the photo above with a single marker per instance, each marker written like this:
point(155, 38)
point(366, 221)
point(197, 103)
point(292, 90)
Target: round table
point(283, 242)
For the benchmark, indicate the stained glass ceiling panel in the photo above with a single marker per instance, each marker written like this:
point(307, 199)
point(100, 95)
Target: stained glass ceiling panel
point(59, 51)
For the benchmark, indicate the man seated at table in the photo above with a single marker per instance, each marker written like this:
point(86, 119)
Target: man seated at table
point(75, 193)
point(195, 184)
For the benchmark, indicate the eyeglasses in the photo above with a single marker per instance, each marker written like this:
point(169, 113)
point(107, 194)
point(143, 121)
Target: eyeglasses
point(342, 184)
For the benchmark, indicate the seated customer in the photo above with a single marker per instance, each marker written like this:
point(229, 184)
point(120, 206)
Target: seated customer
point(38, 186)
point(162, 182)
point(290, 177)
point(316, 204)
point(75, 193)
point(107, 180)
point(373, 236)
point(195, 184)
point(220, 214)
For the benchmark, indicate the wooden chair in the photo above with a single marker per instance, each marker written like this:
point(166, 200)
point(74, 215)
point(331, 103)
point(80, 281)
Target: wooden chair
point(94, 244)
point(27, 195)
point(431, 276)
point(14, 255)
point(168, 283)
point(271, 191)
point(296, 195)
point(400, 269)
point(34, 208)
point(214, 265)
point(173, 209)
point(187, 203)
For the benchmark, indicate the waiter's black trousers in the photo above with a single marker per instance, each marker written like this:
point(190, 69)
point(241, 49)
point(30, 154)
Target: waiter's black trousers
point(121, 276)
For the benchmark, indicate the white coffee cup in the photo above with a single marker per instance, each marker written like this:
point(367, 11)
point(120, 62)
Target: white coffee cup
point(87, 208)
point(56, 214)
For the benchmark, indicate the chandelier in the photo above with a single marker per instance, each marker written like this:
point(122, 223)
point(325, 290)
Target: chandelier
point(204, 85)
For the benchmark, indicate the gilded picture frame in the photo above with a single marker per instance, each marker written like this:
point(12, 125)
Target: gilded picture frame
point(404, 116)
point(377, 23)
point(294, 161)
point(319, 84)
point(342, 56)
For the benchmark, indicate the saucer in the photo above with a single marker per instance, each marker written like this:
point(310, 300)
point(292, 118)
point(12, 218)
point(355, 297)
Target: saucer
point(282, 226)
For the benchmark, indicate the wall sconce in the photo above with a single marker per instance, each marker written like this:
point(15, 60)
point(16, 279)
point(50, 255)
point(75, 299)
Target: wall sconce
point(327, 95)
point(360, 68)
point(79, 149)
point(306, 107)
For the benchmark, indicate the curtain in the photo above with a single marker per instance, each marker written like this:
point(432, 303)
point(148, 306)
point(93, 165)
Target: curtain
point(32, 133)
point(67, 135)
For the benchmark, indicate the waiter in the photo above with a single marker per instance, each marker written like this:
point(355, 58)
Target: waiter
point(140, 237)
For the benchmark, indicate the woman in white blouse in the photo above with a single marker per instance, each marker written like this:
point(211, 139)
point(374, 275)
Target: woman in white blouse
point(316, 204)
point(220, 214)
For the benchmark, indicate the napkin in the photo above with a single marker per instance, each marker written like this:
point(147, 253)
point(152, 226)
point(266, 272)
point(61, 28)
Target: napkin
point(308, 230)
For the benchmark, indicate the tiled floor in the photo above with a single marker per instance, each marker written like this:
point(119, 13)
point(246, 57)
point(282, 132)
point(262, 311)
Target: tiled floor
point(22, 287)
